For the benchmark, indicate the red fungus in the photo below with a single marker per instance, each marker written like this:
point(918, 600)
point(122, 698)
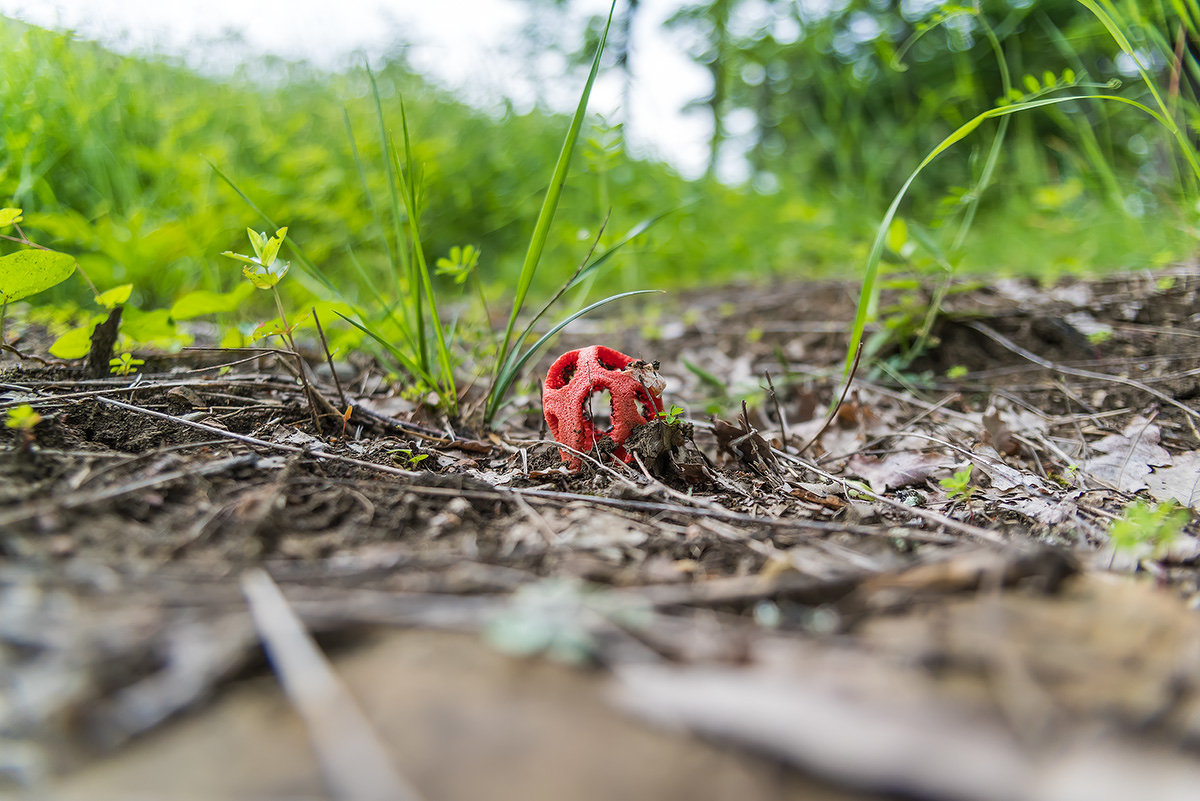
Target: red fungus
point(573, 379)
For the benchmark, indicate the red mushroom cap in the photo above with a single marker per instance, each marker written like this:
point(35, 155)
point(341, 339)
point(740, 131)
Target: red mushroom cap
point(573, 379)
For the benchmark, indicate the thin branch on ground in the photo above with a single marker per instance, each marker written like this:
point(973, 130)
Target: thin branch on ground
point(354, 762)
point(834, 410)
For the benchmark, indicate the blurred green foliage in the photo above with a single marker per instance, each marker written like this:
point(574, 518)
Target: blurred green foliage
point(111, 157)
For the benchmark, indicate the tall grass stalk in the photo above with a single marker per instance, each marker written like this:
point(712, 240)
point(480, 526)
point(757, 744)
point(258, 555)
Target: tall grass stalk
point(511, 358)
point(1107, 14)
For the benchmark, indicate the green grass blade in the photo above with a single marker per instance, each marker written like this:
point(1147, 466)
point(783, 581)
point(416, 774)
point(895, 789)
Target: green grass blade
point(867, 295)
point(400, 260)
point(590, 268)
point(586, 272)
point(510, 369)
point(541, 228)
point(362, 177)
point(446, 386)
point(707, 378)
point(401, 264)
point(406, 361)
point(1106, 16)
point(389, 310)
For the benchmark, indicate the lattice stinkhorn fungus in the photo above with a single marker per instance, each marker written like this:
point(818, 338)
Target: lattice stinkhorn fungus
point(577, 376)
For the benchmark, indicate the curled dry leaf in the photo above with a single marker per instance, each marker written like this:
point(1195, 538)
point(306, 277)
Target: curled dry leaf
point(997, 433)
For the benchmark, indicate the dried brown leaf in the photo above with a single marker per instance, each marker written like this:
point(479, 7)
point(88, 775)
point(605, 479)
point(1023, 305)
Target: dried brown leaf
point(1180, 481)
point(1126, 459)
point(897, 469)
point(997, 433)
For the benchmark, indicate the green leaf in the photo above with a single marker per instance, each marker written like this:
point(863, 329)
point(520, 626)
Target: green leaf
point(153, 329)
point(202, 301)
point(265, 277)
point(271, 249)
point(22, 418)
point(10, 216)
point(28, 272)
point(244, 259)
point(74, 344)
point(115, 296)
point(257, 242)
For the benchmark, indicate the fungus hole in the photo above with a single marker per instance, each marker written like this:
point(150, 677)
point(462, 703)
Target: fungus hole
point(600, 410)
point(564, 376)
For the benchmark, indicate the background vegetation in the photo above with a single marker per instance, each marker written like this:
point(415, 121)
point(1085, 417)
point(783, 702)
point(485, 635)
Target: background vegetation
point(111, 157)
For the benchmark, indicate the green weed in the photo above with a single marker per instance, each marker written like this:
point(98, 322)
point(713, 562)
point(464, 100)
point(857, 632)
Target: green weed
point(671, 416)
point(1146, 529)
point(22, 418)
point(958, 486)
point(125, 364)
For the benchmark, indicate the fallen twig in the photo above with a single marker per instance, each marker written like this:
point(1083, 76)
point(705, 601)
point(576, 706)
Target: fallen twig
point(833, 411)
point(1000, 339)
point(353, 760)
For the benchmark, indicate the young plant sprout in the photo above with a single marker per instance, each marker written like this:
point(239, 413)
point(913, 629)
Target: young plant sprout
point(124, 364)
point(264, 270)
point(23, 419)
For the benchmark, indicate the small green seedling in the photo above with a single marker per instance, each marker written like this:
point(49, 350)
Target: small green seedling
point(1148, 530)
point(460, 265)
point(958, 486)
point(461, 262)
point(671, 416)
point(412, 460)
point(124, 364)
point(264, 270)
point(22, 418)
point(956, 372)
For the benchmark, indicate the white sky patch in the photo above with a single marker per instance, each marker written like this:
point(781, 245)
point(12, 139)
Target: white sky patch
point(465, 45)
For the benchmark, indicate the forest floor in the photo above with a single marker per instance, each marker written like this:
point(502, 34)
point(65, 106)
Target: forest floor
point(758, 608)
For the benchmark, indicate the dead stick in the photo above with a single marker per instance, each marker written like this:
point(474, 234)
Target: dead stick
point(77, 499)
point(329, 358)
point(833, 412)
point(783, 426)
point(261, 443)
point(829, 527)
point(355, 764)
point(1078, 372)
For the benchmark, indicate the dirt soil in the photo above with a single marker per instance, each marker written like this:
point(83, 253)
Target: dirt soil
point(214, 586)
